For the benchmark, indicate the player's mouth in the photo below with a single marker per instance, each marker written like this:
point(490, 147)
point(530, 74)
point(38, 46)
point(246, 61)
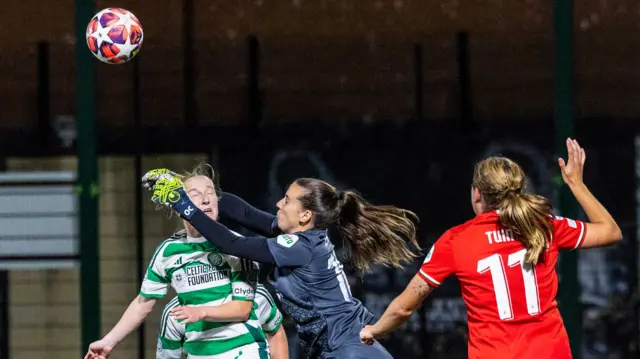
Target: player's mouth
point(207, 210)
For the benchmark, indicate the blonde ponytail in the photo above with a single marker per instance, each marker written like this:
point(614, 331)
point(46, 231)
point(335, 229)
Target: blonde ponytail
point(500, 182)
point(529, 217)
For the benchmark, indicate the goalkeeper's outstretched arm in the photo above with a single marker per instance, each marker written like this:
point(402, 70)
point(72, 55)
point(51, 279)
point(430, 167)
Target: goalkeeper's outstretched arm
point(236, 209)
point(253, 248)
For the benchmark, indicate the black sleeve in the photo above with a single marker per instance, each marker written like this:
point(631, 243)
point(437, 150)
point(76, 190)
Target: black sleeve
point(241, 212)
point(252, 248)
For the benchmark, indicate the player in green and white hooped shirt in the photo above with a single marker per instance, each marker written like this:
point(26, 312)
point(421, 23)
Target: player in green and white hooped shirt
point(228, 328)
point(172, 332)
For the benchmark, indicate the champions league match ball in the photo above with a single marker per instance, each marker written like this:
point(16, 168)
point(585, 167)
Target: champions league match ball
point(114, 35)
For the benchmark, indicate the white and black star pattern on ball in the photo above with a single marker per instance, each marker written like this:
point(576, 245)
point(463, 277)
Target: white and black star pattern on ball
point(114, 35)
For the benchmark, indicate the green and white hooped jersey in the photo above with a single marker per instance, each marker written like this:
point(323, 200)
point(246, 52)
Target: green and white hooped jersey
point(172, 333)
point(203, 276)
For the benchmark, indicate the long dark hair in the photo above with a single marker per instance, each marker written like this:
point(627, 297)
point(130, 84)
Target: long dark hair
point(371, 234)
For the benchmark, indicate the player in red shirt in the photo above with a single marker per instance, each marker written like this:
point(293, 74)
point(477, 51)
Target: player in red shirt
point(505, 261)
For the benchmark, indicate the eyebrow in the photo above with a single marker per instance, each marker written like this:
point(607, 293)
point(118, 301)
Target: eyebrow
point(195, 189)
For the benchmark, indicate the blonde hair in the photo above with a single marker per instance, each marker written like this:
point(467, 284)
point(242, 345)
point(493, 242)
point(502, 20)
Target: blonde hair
point(202, 169)
point(501, 182)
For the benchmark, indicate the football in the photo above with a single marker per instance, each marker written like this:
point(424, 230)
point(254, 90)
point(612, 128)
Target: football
point(114, 35)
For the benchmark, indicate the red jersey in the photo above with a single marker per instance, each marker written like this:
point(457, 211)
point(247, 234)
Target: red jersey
point(511, 305)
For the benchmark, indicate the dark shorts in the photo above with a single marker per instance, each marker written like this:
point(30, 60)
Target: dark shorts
point(357, 350)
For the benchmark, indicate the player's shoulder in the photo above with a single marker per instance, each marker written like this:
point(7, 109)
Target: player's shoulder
point(559, 221)
point(475, 225)
point(309, 238)
point(175, 238)
point(313, 236)
point(178, 235)
point(455, 232)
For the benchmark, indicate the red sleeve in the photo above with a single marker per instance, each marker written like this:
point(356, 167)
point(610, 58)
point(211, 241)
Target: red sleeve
point(568, 233)
point(438, 264)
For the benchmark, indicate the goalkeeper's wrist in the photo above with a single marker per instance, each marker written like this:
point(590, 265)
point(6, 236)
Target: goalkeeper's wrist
point(186, 209)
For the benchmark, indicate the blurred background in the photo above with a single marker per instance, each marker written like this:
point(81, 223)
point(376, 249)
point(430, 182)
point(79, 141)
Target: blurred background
point(395, 98)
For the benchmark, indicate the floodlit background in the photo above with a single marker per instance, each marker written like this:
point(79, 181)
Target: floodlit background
point(395, 98)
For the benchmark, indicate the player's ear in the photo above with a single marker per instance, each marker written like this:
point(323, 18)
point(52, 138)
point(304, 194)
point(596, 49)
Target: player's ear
point(476, 201)
point(476, 197)
point(305, 216)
